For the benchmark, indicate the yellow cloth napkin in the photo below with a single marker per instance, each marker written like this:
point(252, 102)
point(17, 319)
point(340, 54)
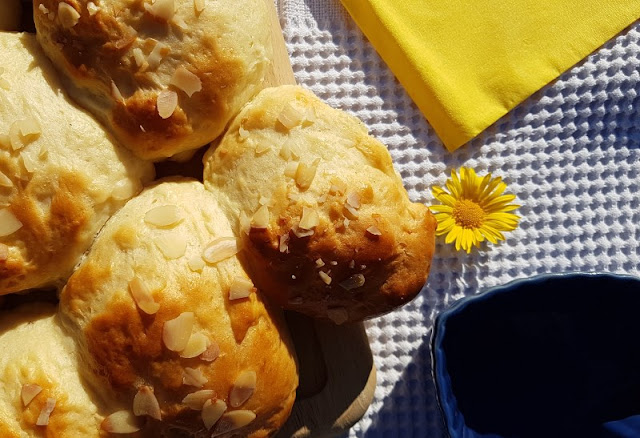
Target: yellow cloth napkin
point(466, 63)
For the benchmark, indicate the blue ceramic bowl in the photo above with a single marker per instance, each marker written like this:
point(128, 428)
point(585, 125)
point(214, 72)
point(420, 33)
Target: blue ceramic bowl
point(550, 356)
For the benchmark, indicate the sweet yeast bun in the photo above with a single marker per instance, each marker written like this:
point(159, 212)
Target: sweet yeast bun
point(166, 76)
point(330, 231)
point(10, 15)
point(153, 249)
point(38, 356)
point(61, 174)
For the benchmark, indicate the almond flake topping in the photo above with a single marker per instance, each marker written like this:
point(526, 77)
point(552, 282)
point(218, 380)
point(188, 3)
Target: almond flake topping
point(22, 132)
point(186, 81)
point(241, 288)
point(309, 219)
point(261, 148)
point(42, 8)
point(4, 255)
point(291, 116)
point(193, 377)
point(92, 8)
point(196, 400)
point(291, 168)
point(45, 412)
point(212, 411)
point(211, 353)
point(120, 422)
point(68, 15)
point(338, 315)
point(284, 243)
point(243, 133)
point(264, 200)
point(220, 249)
point(196, 264)
point(177, 332)
point(198, 343)
point(172, 246)
point(159, 51)
point(167, 102)
point(233, 420)
point(243, 388)
point(353, 282)
point(140, 59)
point(353, 199)
point(300, 233)
point(374, 231)
point(29, 392)
point(319, 263)
point(260, 219)
point(9, 224)
point(325, 277)
point(29, 162)
point(306, 173)
point(146, 403)
point(164, 9)
point(142, 296)
point(164, 216)
point(125, 189)
point(337, 186)
point(199, 5)
point(115, 92)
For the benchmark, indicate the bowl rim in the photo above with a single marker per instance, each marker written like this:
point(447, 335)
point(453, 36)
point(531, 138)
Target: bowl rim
point(446, 402)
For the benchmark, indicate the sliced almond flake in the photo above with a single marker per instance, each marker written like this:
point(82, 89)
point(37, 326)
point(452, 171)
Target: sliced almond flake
point(346, 222)
point(333, 263)
point(285, 151)
point(352, 213)
point(22, 132)
point(309, 219)
point(29, 391)
point(30, 164)
point(9, 224)
point(352, 264)
point(44, 152)
point(159, 51)
point(260, 219)
point(325, 277)
point(353, 199)
point(138, 56)
point(164, 9)
point(120, 422)
point(166, 103)
point(198, 343)
point(199, 5)
point(233, 420)
point(196, 400)
point(146, 403)
point(69, 17)
point(261, 148)
point(186, 81)
point(299, 232)
point(322, 199)
point(220, 249)
point(284, 243)
point(115, 93)
point(92, 8)
point(142, 296)
point(291, 169)
point(125, 189)
point(176, 332)
point(319, 263)
point(42, 8)
point(337, 186)
point(263, 200)
point(211, 353)
point(193, 377)
point(338, 315)
point(353, 282)
point(4, 252)
point(45, 412)
point(212, 411)
point(241, 288)
point(178, 21)
point(306, 173)
point(243, 133)
point(164, 216)
point(291, 116)
point(374, 231)
point(295, 197)
point(196, 263)
point(172, 246)
point(242, 389)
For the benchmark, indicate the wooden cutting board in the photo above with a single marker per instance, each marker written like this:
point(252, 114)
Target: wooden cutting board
point(337, 373)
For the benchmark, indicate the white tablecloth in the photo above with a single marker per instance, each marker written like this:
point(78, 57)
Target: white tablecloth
point(570, 153)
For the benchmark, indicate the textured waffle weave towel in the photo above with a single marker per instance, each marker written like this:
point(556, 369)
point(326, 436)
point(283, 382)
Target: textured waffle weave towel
point(570, 152)
point(466, 63)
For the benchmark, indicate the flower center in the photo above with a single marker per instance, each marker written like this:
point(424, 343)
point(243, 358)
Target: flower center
point(468, 214)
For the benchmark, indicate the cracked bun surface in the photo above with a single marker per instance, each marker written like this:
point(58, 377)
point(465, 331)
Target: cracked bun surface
point(169, 324)
point(329, 229)
point(166, 75)
point(61, 174)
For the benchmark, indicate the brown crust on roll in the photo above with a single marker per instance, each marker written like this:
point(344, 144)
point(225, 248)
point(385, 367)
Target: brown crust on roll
point(366, 248)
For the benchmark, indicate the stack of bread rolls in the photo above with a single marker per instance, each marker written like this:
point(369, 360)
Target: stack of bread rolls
point(169, 292)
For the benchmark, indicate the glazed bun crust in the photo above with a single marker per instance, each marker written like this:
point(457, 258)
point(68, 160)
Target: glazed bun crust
point(165, 82)
point(329, 228)
point(10, 15)
point(62, 175)
point(122, 347)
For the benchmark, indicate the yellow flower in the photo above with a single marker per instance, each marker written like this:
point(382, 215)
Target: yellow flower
point(474, 209)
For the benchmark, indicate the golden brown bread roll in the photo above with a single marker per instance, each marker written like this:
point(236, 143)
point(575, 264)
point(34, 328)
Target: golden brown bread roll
point(10, 15)
point(166, 76)
point(161, 307)
point(61, 174)
point(329, 228)
point(39, 363)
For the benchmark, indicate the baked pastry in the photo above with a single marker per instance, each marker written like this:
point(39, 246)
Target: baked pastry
point(169, 324)
point(166, 75)
point(10, 15)
point(329, 229)
point(41, 386)
point(61, 174)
